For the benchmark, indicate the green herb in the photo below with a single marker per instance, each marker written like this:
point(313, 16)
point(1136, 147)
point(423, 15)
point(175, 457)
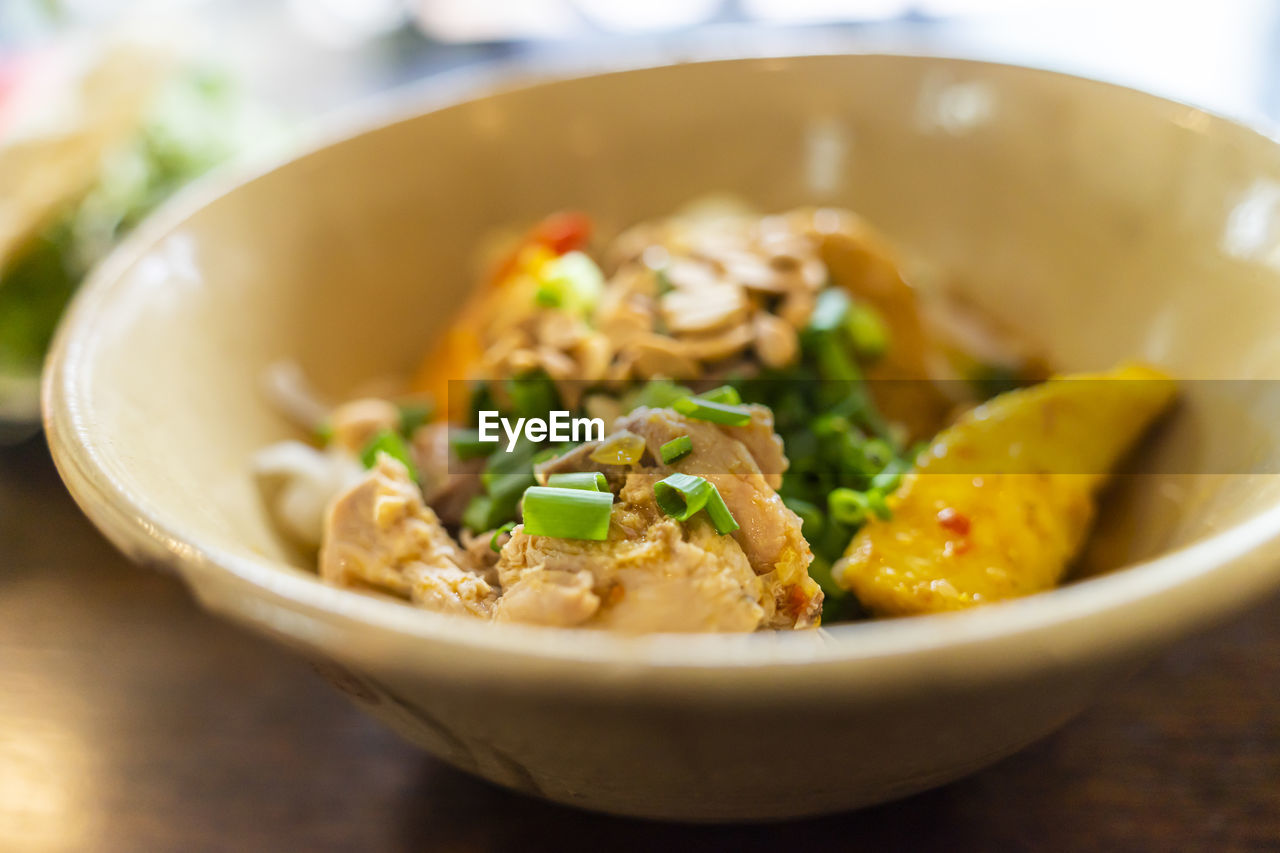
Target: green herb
point(867, 331)
point(707, 410)
point(533, 395)
point(323, 432)
point(848, 506)
point(682, 496)
point(573, 281)
point(567, 513)
point(726, 394)
point(592, 481)
point(493, 540)
point(466, 444)
point(830, 311)
point(413, 414)
point(891, 475)
point(879, 506)
point(547, 297)
point(505, 477)
point(479, 515)
point(675, 449)
point(721, 517)
point(393, 445)
point(654, 394)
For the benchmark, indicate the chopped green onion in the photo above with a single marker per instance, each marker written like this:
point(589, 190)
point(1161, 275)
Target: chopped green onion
point(575, 279)
point(393, 445)
point(592, 481)
point(493, 540)
point(532, 394)
point(724, 394)
point(681, 496)
point(708, 410)
point(830, 310)
point(479, 514)
point(466, 444)
point(547, 297)
point(323, 432)
point(621, 448)
point(720, 516)
point(878, 504)
point(891, 475)
point(567, 513)
point(676, 448)
point(878, 453)
point(414, 414)
point(848, 506)
point(867, 331)
point(655, 394)
point(663, 281)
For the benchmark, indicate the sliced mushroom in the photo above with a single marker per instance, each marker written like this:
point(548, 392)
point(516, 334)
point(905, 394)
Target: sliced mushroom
point(704, 310)
point(718, 346)
point(776, 341)
point(658, 355)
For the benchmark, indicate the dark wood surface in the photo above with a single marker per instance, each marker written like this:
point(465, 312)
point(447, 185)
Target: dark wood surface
point(130, 720)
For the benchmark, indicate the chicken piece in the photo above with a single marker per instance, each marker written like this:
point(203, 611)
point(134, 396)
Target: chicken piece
point(1001, 502)
point(678, 577)
point(652, 574)
point(380, 534)
point(770, 533)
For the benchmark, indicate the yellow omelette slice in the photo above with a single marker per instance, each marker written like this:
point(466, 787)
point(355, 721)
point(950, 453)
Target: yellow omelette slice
point(1001, 501)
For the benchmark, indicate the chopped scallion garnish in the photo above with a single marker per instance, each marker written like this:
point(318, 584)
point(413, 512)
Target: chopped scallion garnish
point(323, 432)
point(717, 413)
point(848, 506)
point(720, 516)
point(867, 331)
point(414, 414)
point(567, 513)
point(393, 445)
point(466, 444)
point(830, 310)
point(724, 394)
point(681, 496)
point(675, 449)
point(493, 540)
point(592, 481)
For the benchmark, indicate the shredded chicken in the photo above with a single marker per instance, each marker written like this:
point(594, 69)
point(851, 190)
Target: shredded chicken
point(678, 577)
point(380, 534)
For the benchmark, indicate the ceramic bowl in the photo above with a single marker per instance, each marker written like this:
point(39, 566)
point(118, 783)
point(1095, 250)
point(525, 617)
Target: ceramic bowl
point(1103, 222)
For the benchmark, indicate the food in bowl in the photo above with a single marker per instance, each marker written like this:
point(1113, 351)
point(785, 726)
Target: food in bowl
point(721, 422)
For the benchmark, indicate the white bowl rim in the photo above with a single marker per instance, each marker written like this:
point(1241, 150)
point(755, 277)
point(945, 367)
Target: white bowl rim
point(1176, 576)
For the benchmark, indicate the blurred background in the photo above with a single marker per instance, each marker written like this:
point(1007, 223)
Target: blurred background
point(108, 106)
point(310, 56)
point(129, 720)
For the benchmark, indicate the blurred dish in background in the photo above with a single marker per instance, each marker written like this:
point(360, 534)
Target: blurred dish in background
point(92, 138)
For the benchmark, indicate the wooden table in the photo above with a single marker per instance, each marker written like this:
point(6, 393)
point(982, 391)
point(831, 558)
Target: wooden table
point(131, 721)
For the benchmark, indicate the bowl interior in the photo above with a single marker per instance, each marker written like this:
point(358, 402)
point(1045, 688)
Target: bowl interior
point(1104, 223)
